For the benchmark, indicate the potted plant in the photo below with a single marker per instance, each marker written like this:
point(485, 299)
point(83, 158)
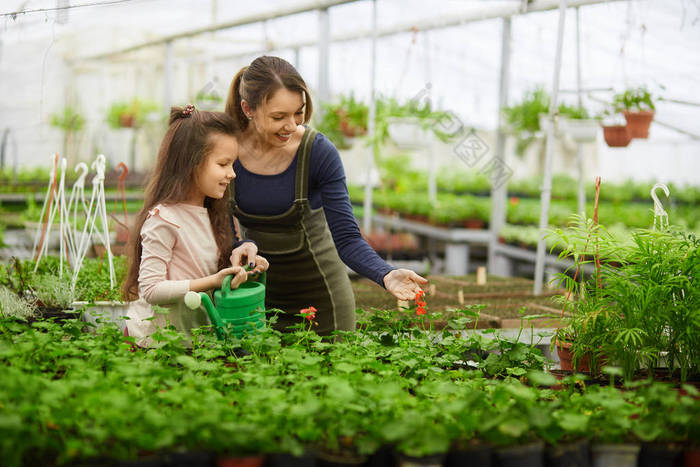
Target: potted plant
point(576, 123)
point(637, 106)
point(343, 120)
point(610, 424)
point(131, 114)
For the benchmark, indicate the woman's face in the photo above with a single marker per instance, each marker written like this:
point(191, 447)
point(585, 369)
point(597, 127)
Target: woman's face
point(213, 176)
point(276, 119)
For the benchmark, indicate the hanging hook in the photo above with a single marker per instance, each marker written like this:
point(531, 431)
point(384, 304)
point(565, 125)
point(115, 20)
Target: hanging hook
point(659, 211)
point(83, 169)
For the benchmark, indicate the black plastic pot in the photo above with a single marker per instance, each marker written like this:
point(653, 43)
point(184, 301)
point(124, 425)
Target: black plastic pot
point(145, 462)
point(660, 455)
point(288, 460)
point(189, 459)
point(480, 456)
point(576, 454)
point(435, 460)
point(383, 457)
point(525, 455)
point(327, 459)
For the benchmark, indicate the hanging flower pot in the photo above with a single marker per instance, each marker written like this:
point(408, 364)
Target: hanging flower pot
point(617, 136)
point(580, 130)
point(638, 122)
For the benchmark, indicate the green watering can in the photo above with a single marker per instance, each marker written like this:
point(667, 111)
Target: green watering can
point(239, 311)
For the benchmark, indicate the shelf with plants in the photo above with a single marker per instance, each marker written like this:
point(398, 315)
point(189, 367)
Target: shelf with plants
point(452, 210)
point(388, 389)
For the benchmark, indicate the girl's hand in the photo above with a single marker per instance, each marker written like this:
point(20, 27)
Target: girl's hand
point(240, 275)
point(214, 281)
point(403, 283)
point(245, 254)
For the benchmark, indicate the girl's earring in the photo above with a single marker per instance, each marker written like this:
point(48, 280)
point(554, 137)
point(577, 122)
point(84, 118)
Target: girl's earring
point(250, 117)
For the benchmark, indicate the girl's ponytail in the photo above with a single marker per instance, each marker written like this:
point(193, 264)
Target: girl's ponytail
point(233, 102)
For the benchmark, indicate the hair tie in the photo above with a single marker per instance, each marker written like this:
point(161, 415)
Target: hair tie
point(187, 111)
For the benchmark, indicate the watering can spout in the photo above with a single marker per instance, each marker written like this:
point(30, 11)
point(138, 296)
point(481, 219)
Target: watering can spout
point(194, 300)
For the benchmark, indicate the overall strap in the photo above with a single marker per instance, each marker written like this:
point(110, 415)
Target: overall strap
point(301, 187)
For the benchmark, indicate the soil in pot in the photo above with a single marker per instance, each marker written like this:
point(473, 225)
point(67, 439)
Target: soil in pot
point(638, 123)
point(575, 454)
point(58, 314)
point(660, 455)
point(525, 455)
point(617, 136)
point(615, 455)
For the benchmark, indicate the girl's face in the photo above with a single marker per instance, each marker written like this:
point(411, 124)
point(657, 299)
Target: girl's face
point(277, 118)
point(216, 172)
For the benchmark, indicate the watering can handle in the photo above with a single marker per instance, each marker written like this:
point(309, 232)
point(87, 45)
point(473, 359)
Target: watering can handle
point(226, 284)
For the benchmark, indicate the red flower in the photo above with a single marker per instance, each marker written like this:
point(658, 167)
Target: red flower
point(514, 200)
point(420, 303)
point(308, 313)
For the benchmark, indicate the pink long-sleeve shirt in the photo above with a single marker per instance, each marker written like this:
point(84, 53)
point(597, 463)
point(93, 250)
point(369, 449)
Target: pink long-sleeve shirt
point(177, 246)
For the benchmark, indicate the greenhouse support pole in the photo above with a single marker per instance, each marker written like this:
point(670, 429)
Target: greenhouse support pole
point(297, 58)
point(367, 206)
point(579, 146)
point(168, 67)
point(547, 182)
point(324, 41)
point(499, 265)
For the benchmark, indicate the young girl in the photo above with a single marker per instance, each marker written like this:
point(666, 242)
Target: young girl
point(186, 237)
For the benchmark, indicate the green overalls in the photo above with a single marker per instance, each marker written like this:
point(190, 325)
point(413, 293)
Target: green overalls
point(305, 269)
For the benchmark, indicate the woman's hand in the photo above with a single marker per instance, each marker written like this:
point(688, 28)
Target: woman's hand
point(261, 265)
point(244, 255)
point(403, 284)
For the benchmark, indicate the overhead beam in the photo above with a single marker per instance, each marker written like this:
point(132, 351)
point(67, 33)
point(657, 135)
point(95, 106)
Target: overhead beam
point(252, 19)
point(506, 9)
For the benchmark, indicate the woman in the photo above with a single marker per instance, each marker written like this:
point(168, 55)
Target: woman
point(291, 199)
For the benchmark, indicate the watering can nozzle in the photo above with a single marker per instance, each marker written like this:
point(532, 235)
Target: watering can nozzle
point(193, 300)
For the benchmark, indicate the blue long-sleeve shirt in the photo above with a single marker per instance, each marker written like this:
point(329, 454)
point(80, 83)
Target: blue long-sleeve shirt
point(274, 194)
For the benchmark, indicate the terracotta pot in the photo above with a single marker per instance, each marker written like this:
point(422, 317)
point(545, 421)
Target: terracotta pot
point(638, 123)
point(566, 359)
point(692, 457)
point(617, 136)
point(473, 224)
point(250, 461)
point(126, 120)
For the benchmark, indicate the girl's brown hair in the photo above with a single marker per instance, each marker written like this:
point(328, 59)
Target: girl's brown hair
point(183, 150)
point(259, 81)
